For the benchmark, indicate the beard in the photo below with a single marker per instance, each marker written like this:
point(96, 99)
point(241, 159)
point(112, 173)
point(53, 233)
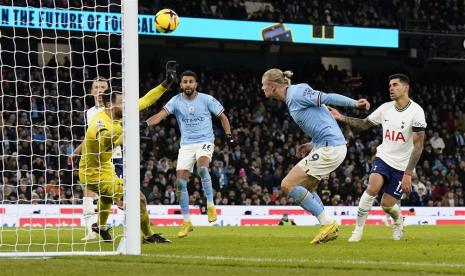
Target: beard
point(188, 92)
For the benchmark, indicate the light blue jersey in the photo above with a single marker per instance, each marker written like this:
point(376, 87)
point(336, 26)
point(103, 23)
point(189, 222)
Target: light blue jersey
point(307, 108)
point(194, 117)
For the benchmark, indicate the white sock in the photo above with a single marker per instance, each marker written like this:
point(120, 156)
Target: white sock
point(88, 210)
point(394, 212)
point(187, 217)
point(364, 207)
point(323, 218)
point(210, 205)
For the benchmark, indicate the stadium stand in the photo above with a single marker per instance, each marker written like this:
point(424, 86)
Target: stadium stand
point(248, 174)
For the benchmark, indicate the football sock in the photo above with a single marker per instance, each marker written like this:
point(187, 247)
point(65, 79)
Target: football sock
point(317, 197)
point(308, 201)
point(206, 184)
point(364, 207)
point(89, 210)
point(103, 213)
point(394, 212)
point(184, 200)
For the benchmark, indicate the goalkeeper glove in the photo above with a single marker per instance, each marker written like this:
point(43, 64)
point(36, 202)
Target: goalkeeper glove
point(171, 75)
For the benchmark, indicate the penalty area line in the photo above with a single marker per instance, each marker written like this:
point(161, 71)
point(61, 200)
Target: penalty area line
point(290, 260)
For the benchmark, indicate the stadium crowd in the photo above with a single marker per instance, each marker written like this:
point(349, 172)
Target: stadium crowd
point(411, 14)
point(40, 128)
point(443, 16)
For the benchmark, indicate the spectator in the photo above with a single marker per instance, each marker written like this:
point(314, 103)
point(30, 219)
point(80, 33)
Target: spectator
point(437, 143)
point(286, 221)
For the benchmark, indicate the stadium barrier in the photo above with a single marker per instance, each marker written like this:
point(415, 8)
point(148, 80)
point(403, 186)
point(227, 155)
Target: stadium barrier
point(169, 215)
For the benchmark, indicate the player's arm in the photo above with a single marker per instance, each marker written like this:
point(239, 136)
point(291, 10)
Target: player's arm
point(225, 123)
point(77, 151)
point(153, 95)
point(105, 139)
point(157, 118)
point(363, 124)
point(227, 129)
point(418, 141)
point(341, 100)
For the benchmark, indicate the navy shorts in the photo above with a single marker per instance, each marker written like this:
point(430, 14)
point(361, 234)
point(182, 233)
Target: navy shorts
point(118, 162)
point(392, 177)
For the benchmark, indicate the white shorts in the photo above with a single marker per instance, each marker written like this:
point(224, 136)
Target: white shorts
point(321, 162)
point(189, 154)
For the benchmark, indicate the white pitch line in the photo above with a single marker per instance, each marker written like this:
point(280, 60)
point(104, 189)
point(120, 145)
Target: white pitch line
point(290, 260)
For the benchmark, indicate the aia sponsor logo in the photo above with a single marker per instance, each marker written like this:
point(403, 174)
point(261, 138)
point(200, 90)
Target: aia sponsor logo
point(392, 135)
point(49, 222)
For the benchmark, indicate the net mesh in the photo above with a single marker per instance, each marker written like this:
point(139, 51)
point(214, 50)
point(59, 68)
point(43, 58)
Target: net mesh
point(51, 52)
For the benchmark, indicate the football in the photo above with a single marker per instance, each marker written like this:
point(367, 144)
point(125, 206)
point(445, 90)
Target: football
point(166, 21)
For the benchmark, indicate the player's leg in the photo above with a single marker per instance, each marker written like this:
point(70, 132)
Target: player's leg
point(390, 202)
point(149, 235)
point(89, 213)
point(181, 185)
point(318, 165)
point(391, 206)
point(100, 227)
point(375, 183)
point(298, 185)
point(110, 190)
point(204, 155)
point(185, 165)
point(380, 172)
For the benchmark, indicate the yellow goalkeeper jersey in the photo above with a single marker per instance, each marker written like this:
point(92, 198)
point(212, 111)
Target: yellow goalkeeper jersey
point(102, 135)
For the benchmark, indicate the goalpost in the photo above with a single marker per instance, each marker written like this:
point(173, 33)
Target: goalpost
point(49, 56)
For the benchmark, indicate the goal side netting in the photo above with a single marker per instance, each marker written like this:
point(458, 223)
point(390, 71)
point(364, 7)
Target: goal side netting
point(52, 54)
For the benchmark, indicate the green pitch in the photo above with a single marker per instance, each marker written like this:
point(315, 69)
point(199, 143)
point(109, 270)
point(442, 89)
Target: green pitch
point(261, 250)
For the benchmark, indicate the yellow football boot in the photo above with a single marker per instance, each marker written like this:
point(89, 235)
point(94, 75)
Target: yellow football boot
point(327, 233)
point(211, 212)
point(186, 228)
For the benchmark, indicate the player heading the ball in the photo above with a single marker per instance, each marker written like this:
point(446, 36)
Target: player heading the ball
point(323, 154)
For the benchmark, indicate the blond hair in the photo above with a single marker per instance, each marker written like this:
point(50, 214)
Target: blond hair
point(278, 76)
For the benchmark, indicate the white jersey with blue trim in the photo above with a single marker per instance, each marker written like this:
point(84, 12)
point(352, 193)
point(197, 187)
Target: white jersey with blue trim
point(307, 108)
point(90, 113)
point(398, 127)
point(194, 117)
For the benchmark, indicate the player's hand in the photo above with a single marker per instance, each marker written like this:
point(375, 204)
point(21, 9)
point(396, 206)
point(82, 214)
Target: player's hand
point(407, 183)
point(363, 104)
point(336, 115)
point(72, 158)
point(171, 74)
point(303, 150)
point(230, 141)
point(143, 125)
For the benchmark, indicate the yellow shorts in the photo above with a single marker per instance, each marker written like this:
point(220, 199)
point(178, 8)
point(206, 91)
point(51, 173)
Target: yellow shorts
point(105, 185)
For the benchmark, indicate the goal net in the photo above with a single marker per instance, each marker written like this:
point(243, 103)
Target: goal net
point(53, 55)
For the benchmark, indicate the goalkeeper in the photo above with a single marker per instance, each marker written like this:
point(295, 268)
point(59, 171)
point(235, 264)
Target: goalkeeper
point(96, 169)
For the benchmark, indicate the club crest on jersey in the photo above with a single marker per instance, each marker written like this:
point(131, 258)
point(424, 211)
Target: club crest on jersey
point(99, 123)
point(394, 136)
point(191, 109)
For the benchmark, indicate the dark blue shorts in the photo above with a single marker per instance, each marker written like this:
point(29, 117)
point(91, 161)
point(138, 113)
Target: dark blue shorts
point(392, 177)
point(118, 162)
